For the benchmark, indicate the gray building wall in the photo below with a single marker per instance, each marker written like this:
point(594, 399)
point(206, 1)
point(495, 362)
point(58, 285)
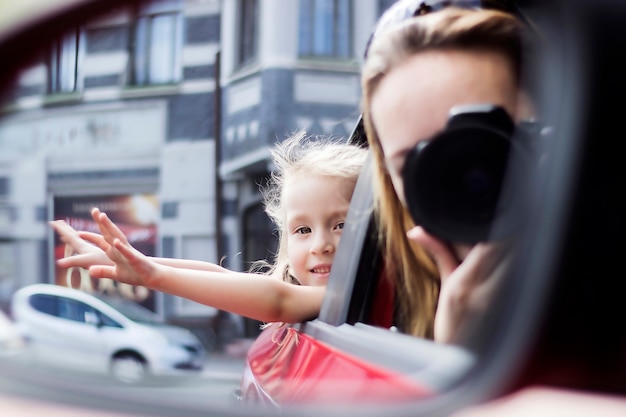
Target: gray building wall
point(275, 95)
point(112, 137)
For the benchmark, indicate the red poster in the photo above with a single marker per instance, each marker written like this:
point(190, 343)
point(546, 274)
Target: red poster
point(136, 215)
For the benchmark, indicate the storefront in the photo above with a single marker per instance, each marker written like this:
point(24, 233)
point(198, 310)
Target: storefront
point(58, 163)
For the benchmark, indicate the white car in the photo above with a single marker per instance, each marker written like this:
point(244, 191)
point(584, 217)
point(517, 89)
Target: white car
point(71, 328)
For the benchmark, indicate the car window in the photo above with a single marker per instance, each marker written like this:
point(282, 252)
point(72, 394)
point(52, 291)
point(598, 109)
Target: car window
point(132, 310)
point(74, 310)
point(47, 304)
point(69, 310)
point(108, 321)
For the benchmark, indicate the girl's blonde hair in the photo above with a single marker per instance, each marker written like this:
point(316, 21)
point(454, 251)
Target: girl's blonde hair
point(449, 29)
point(300, 154)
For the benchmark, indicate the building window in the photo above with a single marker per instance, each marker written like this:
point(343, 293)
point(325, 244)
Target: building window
point(248, 31)
point(261, 243)
point(63, 64)
point(325, 28)
point(157, 43)
point(261, 240)
point(4, 186)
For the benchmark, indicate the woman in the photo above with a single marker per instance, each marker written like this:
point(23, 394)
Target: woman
point(415, 73)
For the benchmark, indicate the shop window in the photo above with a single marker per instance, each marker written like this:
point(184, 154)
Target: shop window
point(63, 64)
point(325, 28)
point(157, 43)
point(248, 19)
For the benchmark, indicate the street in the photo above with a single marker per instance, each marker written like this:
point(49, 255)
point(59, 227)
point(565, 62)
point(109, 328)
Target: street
point(212, 388)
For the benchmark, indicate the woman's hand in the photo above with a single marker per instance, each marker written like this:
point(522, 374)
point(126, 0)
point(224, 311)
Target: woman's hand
point(467, 286)
point(84, 245)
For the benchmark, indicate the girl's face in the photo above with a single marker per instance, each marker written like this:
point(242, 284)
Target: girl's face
point(315, 209)
point(414, 99)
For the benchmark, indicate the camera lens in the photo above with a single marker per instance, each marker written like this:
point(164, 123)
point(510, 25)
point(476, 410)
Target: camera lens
point(453, 183)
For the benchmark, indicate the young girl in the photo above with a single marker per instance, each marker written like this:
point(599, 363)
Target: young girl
point(307, 197)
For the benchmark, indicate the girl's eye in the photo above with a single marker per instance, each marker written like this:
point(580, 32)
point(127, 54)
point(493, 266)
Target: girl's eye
point(340, 225)
point(303, 230)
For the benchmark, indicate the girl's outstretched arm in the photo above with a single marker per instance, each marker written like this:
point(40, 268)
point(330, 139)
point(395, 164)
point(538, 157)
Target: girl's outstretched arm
point(87, 248)
point(256, 296)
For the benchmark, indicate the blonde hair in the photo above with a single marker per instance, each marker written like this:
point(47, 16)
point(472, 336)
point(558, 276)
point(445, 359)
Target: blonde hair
point(300, 154)
point(449, 29)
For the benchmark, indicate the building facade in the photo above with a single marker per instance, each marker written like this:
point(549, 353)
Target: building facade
point(164, 115)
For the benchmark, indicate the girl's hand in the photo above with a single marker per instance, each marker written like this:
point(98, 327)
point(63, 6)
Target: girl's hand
point(86, 253)
point(467, 286)
point(129, 265)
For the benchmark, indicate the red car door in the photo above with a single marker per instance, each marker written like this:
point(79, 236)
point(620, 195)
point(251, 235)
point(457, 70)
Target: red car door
point(319, 363)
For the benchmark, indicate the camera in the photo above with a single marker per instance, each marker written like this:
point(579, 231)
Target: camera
point(456, 183)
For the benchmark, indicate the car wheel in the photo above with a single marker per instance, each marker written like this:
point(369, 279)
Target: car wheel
point(129, 368)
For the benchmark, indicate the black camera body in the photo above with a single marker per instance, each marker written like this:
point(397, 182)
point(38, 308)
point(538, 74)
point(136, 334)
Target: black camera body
point(454, 182)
